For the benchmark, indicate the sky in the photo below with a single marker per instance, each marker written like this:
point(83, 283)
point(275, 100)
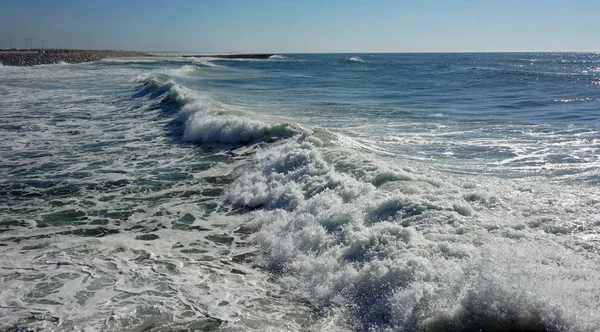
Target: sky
point(304, 26)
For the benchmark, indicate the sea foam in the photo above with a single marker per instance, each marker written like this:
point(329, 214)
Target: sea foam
point(404, 250)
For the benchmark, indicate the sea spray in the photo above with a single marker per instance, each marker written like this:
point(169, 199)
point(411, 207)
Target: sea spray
point(405, 254)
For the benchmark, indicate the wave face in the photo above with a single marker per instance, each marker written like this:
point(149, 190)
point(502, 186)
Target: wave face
point(410, 193)
point(209, 121)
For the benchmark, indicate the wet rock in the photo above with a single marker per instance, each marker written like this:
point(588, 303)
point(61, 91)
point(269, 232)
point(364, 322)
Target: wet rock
point(147, 237)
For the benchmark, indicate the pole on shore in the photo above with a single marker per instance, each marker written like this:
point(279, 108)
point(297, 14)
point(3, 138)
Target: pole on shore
point(42, 44)
point(10, 42)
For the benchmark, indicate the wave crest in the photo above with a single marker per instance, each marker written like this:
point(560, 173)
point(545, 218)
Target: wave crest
point(206, 62)
point(204, 127)
point(209, 121)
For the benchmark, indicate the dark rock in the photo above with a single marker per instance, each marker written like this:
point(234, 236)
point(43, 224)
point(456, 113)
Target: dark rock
point(35, 57)
point(147, 237)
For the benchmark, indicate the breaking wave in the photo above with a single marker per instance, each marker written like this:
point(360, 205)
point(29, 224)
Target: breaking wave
point(209, 121)
point(356, 59)
point(395, 247)
point(408, 251)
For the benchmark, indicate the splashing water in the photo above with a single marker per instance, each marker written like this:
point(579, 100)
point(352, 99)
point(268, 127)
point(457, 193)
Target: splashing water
point(411, 193)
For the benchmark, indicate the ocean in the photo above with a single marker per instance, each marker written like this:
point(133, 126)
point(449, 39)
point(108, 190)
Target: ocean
point(306, 192)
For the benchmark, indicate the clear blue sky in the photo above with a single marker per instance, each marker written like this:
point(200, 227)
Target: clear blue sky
point(284, 26)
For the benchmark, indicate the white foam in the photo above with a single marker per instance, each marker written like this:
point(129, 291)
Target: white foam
point(131, 60)
point(413, 251)
point(206, 62)
point(88, 148)
point(356, 59)
point(184, 70)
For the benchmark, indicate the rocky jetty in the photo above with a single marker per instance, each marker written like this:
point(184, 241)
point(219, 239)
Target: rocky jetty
point(41, 57)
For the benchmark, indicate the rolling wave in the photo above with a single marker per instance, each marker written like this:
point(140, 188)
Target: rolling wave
point(208, 121)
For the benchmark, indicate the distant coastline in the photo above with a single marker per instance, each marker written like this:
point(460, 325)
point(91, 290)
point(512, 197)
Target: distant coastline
point(41, 57)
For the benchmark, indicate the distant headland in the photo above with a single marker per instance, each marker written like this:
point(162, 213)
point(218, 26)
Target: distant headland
point(41, 57)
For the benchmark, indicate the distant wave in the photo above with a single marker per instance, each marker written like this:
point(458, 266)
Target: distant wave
point(356, 59)
point(206, 62)
point(276, 57)
point(130, 60)
point(575, 100)
point(185, 70)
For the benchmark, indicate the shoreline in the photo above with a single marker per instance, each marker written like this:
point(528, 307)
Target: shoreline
point(27, 58)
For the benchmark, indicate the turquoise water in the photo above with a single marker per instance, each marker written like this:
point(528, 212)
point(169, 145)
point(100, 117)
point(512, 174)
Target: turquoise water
point(336, 192)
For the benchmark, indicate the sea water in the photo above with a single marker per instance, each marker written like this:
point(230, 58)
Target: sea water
point(306, 192)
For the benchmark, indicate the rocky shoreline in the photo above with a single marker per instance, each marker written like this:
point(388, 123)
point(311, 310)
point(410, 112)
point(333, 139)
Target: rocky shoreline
point(41, 57)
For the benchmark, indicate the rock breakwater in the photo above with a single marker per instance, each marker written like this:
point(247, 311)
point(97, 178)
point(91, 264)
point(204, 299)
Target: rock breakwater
point(41, 57)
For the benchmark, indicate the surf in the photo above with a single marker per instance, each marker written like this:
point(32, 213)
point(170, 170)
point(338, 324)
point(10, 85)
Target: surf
point(349, 230)
point(320, 197)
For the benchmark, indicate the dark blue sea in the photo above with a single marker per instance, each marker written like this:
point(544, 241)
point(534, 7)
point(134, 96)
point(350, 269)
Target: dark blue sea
point(304, 192)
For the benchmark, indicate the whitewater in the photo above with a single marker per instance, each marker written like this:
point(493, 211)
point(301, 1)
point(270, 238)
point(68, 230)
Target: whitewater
point(304, 192)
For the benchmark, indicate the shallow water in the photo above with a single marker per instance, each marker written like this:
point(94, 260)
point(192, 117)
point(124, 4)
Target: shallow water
point(304, 192)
